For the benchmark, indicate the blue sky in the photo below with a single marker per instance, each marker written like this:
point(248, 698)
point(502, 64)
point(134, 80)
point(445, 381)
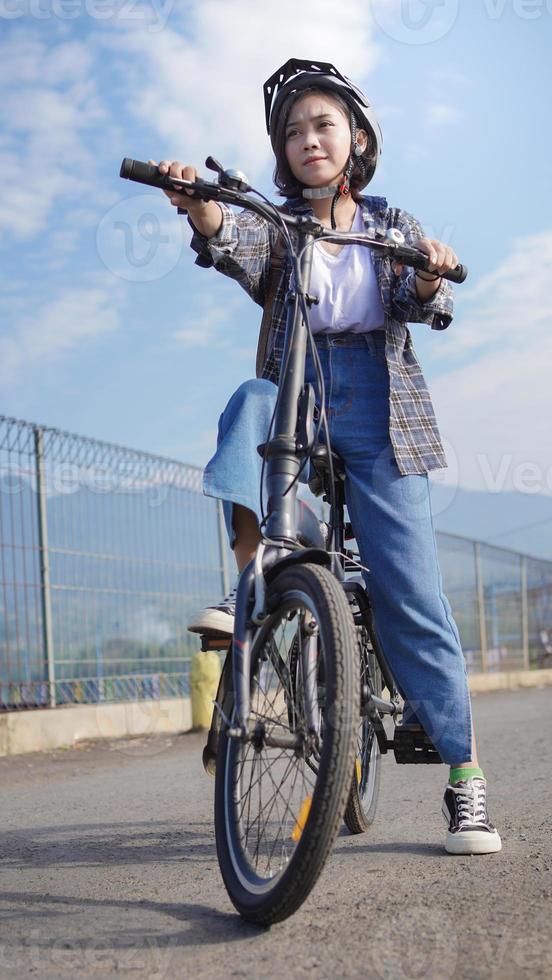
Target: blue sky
point(108, 328)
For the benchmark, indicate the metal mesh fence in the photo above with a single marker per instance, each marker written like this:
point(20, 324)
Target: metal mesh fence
point(502, 603)
point(105, 552)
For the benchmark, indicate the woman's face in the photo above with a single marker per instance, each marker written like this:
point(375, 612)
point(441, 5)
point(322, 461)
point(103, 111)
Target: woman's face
point(318, 140)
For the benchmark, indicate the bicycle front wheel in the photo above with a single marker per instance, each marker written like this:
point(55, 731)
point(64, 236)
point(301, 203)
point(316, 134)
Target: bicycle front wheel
point(280, 792)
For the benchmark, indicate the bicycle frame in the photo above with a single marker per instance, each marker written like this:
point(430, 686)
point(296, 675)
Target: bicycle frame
point(283, 465)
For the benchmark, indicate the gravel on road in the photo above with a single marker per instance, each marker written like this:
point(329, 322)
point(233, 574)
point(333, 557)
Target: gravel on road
point(108, 869)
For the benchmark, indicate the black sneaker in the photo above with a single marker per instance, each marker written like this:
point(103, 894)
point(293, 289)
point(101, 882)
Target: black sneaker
point(469, 829)
point(217, 619)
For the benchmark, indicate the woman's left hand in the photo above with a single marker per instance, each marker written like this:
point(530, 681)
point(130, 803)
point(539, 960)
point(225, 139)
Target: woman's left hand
point(441, 257)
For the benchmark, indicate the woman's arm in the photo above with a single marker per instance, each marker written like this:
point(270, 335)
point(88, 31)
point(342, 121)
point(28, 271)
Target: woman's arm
point(205, 216)
point(240, 249)
point(441, 259)
point(239, 246)
point(413, 300)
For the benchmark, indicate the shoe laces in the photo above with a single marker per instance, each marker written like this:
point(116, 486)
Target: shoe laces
point(471, 801)
point(229, 601)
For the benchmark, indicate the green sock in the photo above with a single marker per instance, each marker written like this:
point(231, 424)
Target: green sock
point(464, 773)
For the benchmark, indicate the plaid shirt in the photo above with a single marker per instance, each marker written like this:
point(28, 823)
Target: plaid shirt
point(242, 250)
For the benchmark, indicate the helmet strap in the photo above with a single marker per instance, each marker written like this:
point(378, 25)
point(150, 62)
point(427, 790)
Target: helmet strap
point(344, 187)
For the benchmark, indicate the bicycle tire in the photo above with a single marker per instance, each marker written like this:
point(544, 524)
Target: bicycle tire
point(365, 786)
point(265, 892)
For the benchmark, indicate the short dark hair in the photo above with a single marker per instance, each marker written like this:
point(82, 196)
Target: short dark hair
point(285, 181)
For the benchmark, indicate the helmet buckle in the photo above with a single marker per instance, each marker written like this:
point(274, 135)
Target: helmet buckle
point(344, 186)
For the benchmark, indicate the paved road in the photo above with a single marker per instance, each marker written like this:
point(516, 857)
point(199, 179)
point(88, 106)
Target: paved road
point(108, 869)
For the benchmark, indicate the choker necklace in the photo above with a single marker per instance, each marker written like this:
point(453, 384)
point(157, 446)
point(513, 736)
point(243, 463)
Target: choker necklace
point(319, 192)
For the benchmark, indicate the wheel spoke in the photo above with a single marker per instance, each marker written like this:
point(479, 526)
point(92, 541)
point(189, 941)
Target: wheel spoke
point(271, 787)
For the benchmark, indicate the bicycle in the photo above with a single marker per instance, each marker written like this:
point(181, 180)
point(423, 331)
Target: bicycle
point(299, 716)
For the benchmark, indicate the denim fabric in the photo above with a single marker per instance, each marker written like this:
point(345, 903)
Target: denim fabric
point(391, 517)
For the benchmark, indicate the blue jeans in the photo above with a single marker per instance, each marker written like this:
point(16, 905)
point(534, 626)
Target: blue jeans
point(391, 518)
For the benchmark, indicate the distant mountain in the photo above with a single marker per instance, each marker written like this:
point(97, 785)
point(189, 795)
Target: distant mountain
point(520, 521)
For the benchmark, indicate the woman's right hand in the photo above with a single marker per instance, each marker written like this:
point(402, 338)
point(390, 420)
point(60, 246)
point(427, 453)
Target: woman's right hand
point(206, 216)
point(180, 199)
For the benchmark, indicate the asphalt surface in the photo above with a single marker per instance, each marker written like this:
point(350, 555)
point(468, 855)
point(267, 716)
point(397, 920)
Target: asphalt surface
point(108, 869)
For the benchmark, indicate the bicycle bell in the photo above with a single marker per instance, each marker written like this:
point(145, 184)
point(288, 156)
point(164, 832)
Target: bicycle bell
point(235, 180)
point(395, 236)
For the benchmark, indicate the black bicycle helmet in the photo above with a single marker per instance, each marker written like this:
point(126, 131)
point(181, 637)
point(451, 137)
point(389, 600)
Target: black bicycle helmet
point(298, 74)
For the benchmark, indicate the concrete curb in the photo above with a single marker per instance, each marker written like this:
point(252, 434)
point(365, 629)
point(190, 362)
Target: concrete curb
point(511, 680)
point(54, 728)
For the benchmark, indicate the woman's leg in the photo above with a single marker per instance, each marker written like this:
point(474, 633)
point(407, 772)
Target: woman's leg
point(392, 521)
point(246, 535)
point(233, 476)
point(234, 472)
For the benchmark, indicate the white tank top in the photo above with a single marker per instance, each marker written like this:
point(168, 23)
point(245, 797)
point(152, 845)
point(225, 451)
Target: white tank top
point(347, 288)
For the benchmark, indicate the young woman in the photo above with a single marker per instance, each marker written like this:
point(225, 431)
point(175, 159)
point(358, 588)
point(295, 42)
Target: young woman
point(327, 141)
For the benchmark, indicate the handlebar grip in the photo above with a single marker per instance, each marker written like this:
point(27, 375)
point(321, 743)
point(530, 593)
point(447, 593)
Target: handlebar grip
point(146, 173)
point(458, 274)
point(421, 261)
point(143, 173)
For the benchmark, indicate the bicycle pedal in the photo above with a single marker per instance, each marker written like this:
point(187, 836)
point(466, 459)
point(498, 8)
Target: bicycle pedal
point(214, 641)
point(413, 747)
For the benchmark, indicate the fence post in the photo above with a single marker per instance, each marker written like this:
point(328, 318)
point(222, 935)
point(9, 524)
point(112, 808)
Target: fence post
point(225, 572)
point(45, 590)
point(480, 605)
point(524, 613)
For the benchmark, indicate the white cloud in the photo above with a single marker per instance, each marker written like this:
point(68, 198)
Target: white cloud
point(58, 250)
point(390, 111)
point(194, 79)
point(441, 114)
point(512, 304)
point(417, 151)
point(77, 314)
point(449, 76)
point(216, 321)
point(495, 409)
point(203, 329)
point(196, 451)
point(47, 112)
point(199, 87)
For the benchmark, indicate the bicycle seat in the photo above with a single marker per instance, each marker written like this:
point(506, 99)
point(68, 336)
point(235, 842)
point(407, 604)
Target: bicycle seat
point(320, 468)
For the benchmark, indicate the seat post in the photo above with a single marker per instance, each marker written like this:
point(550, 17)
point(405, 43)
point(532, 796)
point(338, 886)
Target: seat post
point(338, 517)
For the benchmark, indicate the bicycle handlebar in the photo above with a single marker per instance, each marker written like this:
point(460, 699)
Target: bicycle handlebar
point(235, 190)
